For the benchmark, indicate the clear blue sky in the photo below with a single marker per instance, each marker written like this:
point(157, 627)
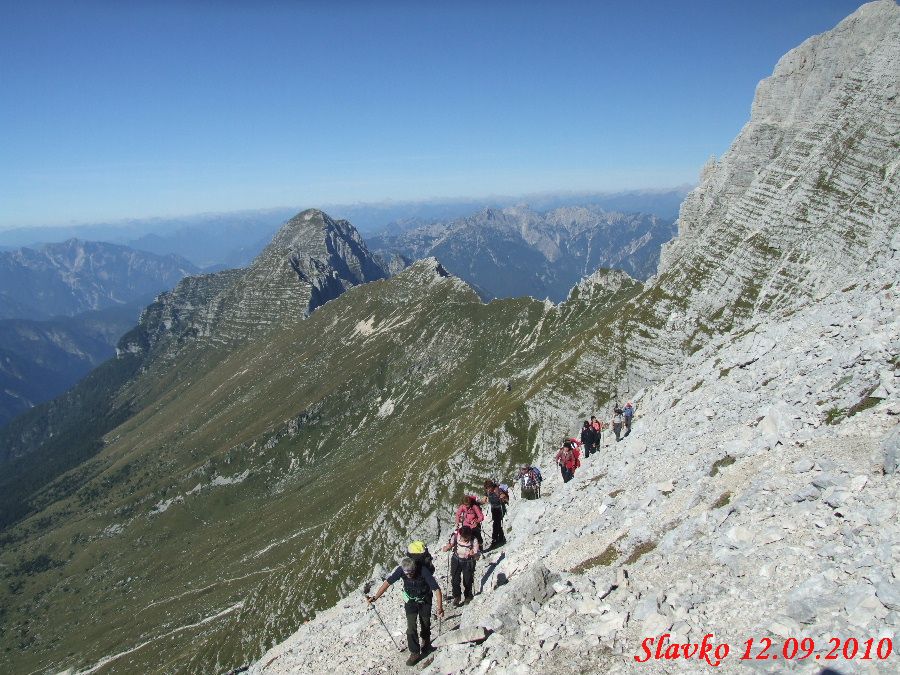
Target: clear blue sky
point(139, 108)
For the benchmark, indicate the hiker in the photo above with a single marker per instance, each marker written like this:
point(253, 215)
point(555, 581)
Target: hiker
point(588, 439)
point(617, 420)
point(567, 459)
point(418, 586)
point(627, 414)
point(462, 563)
point(530, 479)
point(469, 514)
point(598, 429)
point(498, 498)
point(420, 555)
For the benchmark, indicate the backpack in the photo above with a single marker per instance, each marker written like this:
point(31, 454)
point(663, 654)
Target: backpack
point(456, 545)
point(536, 473)
point(422, 558)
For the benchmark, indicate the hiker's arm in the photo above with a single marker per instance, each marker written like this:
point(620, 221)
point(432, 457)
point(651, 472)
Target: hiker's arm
point(440, 602)
point(384, 586)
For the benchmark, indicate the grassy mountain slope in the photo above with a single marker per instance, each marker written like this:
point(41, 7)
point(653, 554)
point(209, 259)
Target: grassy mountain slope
point(266, 480)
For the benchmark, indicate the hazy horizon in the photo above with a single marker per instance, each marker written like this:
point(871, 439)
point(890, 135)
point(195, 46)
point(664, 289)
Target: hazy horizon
point(491, 200)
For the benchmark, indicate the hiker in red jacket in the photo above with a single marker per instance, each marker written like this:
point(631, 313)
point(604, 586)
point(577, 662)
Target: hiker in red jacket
point(568, 459)
point(469, 515)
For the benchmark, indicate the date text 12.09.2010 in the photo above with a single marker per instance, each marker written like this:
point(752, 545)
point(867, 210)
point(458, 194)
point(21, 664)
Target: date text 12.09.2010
point(661, 648)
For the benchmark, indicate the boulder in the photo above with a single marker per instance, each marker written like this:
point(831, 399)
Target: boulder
point(461, 636)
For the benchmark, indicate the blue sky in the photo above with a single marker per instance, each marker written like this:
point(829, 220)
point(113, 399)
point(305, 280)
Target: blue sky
point(156, 108)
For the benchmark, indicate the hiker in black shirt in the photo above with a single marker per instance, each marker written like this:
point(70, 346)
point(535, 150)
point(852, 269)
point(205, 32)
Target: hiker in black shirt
point(588, 439)
point(498, 500)
point(418, 585)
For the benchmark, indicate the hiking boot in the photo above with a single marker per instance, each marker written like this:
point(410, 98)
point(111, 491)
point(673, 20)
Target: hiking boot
point(427, 649)
point(457, 602)
point(413, 659)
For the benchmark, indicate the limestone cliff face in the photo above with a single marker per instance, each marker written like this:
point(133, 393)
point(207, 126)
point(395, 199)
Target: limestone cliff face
point(806, 197)
point(311, 260)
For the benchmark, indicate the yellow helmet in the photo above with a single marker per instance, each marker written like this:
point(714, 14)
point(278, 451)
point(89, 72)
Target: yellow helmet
point(416, 547)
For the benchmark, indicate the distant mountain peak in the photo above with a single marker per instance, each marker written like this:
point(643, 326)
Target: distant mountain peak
point(311, 259)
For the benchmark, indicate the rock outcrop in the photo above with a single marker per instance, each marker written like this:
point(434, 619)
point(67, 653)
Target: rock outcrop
point(311, 260)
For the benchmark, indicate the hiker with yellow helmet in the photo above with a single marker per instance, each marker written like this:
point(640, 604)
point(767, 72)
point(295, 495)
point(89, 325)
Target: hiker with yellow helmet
point(419, 585)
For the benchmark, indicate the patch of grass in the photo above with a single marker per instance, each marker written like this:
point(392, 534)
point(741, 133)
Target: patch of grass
point(697, 385)
point(723, 500)
point(727, 460)
point(639, 551)
point(605, 559)
point(834, 415)
point(616, 493)
point(864, 404)
point(723, 372)
point(675, 402)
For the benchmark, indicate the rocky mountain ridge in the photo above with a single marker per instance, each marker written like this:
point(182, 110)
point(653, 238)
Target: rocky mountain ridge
point(517, 251)
point(312, 259)
point(76, 276)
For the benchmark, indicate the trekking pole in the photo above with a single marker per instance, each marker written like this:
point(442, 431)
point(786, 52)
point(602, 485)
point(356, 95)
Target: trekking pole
point(383, 624)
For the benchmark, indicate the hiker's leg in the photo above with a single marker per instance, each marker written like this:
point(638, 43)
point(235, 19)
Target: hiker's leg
point(455, 573)
point(478, 537)
point(497, 527)
point(468, 575)
point(425, 620)
point(412, 630)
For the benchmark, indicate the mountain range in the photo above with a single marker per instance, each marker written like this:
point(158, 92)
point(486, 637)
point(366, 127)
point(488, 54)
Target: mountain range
point(63, 308)
point(518, 251)
point(267, 438)
point(217, 241)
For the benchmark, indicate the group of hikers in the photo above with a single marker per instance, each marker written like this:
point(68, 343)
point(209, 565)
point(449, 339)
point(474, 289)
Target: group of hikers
point(568, 459)
point(466, 544)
